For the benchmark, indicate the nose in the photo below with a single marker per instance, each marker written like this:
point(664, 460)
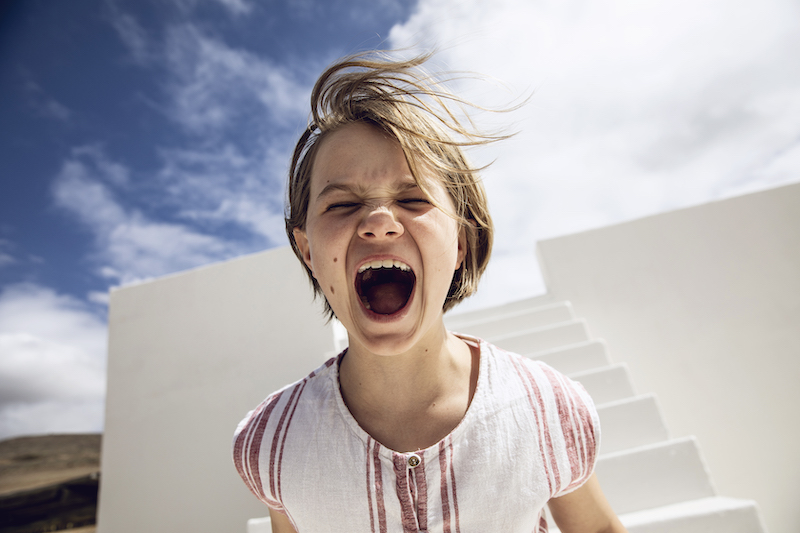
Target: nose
point(380, 223)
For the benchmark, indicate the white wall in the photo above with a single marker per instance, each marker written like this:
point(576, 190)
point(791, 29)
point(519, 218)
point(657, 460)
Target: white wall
point(189, 355)
point(703, 304)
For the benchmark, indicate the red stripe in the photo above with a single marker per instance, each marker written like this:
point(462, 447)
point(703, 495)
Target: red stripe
point(376, 460)
point(422, 495)
point(276, 440)
point(582, 423)
point(542, 525)
point(248, 447)
point(443, 487)
point(404, 493)
point(369, 489)
point(239, 444)
point(286, 433)
point(548, 438)
point(563, 403)
point(576, 420)
point(537, 405)
point(588, 428)
point(453, 481)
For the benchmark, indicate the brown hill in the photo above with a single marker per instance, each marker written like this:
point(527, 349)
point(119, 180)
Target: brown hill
point(49, 483)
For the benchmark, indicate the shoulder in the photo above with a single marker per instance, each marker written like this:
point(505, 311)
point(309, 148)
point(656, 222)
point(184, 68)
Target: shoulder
point(565, 416)
point(543, 382)
point(256, 436)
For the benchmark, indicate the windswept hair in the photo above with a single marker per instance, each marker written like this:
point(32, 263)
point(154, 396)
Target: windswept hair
point(411, 106)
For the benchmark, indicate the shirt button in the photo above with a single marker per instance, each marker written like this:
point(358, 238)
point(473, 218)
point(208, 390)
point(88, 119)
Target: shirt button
point(413, 460)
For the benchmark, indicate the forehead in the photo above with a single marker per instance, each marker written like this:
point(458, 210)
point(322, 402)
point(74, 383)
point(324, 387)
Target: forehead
point(361, 156)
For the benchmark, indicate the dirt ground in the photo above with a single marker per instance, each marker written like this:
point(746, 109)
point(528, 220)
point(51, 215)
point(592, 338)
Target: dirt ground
point(32, 462)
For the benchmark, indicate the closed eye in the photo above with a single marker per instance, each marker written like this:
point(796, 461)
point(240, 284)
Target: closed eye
point(412, 201)
point(342, 205)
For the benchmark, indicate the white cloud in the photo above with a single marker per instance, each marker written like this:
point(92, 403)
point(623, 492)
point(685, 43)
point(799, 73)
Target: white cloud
point(132, 34)
point(637, 107)
point(99, 297)
point(46, 105)
point(52, 363)
point(237, 7)
point(214, 86)
point(109, 170)
point(223, 185)
point(234, 7)
point(130, 246)
point(6, 256)
point(241, 112)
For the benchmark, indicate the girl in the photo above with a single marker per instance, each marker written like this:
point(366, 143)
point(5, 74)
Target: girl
point(412, 427)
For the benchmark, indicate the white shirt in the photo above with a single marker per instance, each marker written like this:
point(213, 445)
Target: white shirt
point(529, 434)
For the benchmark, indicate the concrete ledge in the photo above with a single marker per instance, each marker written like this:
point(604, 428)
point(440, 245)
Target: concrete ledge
point(507, 308)
point(631, 423)
point(608, 384)
point(259, 525)
point(705, 515)
point(654, 476)
point(544, 338)
point(580, 357)
point(494, 323)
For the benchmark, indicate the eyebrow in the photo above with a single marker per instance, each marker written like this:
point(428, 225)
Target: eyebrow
point(333, 187)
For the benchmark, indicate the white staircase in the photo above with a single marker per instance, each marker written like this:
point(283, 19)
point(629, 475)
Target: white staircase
point(655, 484)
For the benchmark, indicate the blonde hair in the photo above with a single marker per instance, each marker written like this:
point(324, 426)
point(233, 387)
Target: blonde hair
point(400, 99)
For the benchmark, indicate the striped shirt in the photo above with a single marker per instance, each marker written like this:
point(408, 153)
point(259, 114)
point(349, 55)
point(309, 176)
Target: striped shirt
point(529, 434)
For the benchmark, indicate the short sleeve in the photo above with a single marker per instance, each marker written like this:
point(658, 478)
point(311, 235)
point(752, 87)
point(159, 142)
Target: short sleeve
point(248, 441)
point(574, 432)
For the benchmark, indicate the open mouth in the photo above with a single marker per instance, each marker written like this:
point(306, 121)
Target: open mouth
point(385, 287)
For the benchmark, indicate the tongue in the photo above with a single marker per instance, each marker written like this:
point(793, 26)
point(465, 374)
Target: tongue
point(387, 298)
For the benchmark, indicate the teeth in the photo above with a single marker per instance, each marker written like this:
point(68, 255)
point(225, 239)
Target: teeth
point(385, 263)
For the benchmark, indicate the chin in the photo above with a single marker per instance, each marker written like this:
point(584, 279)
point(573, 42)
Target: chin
point(393, 335)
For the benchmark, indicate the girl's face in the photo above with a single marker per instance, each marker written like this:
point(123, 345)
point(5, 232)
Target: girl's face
point(383, 255)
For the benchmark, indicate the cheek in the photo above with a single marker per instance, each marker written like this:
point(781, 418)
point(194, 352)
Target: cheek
point(328, 252)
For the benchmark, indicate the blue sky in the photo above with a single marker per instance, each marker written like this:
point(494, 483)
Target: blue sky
point(145, 137)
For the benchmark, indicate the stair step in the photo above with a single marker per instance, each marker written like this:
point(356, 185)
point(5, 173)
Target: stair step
point(543, 338)
point(574, 358)
point(654, 476)
point(259, 525)
point(498, 323)
point(497, 310)
point(606, 384)
point(631, 423)
point(705, 515)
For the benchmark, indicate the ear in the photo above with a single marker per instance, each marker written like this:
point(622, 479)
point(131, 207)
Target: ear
point(462, 245)
point(301, 239)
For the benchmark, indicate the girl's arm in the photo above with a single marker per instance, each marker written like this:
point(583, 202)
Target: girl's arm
point(280, 522)
point(585, 510)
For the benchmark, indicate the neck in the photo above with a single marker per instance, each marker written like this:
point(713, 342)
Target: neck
point(411, 400)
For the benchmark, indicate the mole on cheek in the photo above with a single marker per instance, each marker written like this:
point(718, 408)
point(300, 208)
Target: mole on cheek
point(332, 291)
point(335, 259)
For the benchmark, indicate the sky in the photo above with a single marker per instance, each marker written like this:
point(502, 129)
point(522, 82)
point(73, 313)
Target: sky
point(146, 137)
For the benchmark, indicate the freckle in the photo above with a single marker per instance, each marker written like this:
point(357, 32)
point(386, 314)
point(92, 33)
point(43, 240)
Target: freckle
point(335, 259)
point(332, 291)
